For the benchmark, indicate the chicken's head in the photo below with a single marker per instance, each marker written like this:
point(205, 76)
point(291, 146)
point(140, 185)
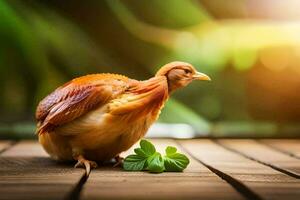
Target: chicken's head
point(180, 74)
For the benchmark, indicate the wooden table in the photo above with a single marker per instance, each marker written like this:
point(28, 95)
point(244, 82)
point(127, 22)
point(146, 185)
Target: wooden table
point(219, 169)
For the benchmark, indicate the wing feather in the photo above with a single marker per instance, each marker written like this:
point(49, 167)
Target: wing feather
point(76, 98)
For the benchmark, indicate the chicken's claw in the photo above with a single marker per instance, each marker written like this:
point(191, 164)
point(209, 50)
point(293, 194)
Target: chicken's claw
point(119, 161)
point(87, 164)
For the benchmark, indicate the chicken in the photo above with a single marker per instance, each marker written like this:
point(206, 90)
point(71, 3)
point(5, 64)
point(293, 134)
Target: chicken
point(96, 117)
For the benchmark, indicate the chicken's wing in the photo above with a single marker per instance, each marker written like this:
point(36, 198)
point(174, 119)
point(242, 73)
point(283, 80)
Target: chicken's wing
point(77, 97)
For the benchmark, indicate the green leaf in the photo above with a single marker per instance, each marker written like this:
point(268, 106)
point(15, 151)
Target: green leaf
point(170, 150)
point(134, 163)
point(173, 161)
point(147, 147)
point(155, 163)
point(140, 152)
point(147, 158)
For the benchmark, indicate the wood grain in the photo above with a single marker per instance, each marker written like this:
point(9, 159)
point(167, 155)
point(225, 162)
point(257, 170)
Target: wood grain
point(4, 144)
point(265, 154)
point(262, 180)
point(288, 146)
point(26, 172)
point(23, 176)
point(196, 182)
point(26, 149)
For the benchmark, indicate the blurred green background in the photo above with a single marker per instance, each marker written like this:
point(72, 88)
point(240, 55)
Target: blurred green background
point(250, 48)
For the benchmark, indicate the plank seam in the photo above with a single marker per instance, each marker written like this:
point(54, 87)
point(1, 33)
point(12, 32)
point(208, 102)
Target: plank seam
point(236, 184)
point(284, 171)
point(76, 191)
point(277, 149)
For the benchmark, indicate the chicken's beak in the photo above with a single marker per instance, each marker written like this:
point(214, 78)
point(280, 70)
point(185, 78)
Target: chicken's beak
point(201, 76)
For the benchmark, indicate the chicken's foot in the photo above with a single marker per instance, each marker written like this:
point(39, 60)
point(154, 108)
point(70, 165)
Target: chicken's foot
point(119, 161)
point(87, 164)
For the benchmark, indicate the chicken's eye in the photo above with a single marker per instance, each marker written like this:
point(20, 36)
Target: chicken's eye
point(187, 71)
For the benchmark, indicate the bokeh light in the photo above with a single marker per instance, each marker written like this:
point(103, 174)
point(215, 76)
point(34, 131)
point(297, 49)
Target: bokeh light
point(250, 48)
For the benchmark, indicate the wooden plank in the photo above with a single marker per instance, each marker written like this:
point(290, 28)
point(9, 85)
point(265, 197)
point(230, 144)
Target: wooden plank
point(288, 146)
point(265, 154)
point(196, 182)
point(26, 149)
point(261, 180)
point(4, 144)
point(35, 177)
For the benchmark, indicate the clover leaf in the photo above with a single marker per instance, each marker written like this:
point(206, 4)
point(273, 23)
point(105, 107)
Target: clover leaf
point(140, 152)
point(147, 147)
point(170, 150)
point(138, 162)
point(134, 163)
point(155, 163)
point(146, 158)
point(175, 162)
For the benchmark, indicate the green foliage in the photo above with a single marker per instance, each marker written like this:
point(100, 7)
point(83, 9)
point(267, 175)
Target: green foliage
point(134, 163)
point(146, 158)
point(175, 162)
point(44, 44)
point(175, 112)
point(50, 48)
point(147, 147)
point(155, 163)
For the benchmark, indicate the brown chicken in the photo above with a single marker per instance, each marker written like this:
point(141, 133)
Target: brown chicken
point(96, 117)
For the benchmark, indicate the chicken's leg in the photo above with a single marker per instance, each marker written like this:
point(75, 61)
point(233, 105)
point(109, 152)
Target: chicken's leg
point(87, 164)
point(119, 161)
